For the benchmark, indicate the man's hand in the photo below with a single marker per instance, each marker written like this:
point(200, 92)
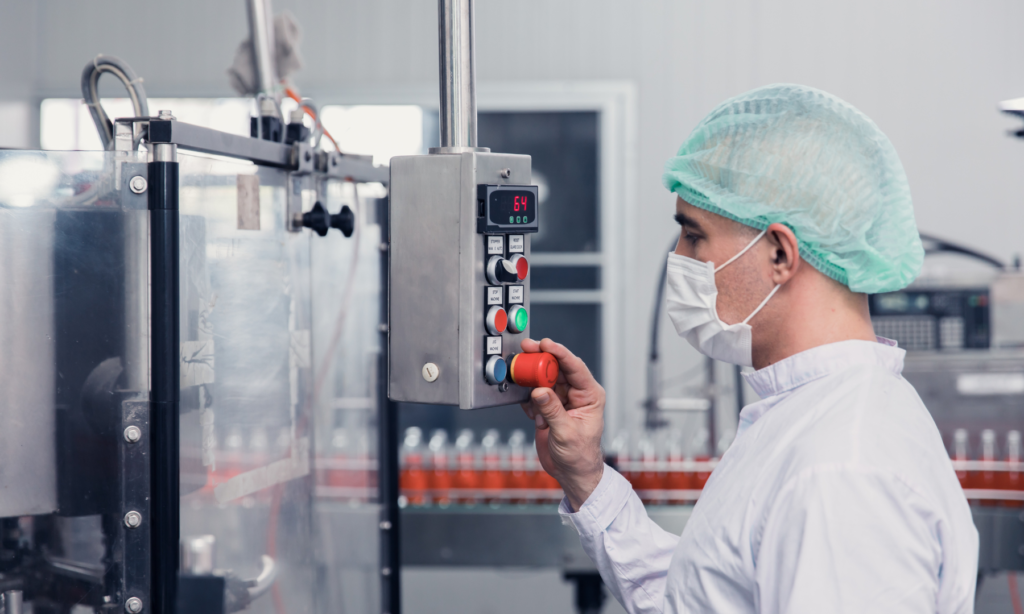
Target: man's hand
point(569, 422)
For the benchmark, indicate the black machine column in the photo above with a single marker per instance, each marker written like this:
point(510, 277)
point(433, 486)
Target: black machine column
point(165, 374)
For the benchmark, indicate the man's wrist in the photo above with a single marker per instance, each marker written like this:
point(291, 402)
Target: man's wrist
point(579, 487)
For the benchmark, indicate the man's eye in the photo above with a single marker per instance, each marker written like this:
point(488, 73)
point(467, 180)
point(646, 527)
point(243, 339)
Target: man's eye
point(690, 238)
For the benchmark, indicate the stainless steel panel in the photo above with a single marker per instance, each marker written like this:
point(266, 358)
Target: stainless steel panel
point(424, 277)
point(437, 278)
point(28, 482)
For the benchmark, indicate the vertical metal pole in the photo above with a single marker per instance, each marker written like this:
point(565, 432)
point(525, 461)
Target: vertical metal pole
point(261, 33)
point(165, 367)
point(457, 45)
point(387, 431)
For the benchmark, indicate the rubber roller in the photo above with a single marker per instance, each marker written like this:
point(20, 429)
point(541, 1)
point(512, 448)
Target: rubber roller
point(536, 370)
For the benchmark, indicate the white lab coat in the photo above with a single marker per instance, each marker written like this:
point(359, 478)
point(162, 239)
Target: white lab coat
point(836, 496)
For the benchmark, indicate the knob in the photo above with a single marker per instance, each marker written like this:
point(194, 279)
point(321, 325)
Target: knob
point(501, 271)
point(320, 221)
point(538, 370)
point(522, 266)
point(495, 371)
point(518, 319)
point(496, 321)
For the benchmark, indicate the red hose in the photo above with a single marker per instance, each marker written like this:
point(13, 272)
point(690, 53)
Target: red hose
point(1011, 579)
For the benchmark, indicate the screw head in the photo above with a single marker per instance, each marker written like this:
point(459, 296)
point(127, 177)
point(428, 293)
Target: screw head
point(132, 434)
point(309, 156)
point(385, 525)
point(431, 372)
point(132, 519)
point(138, 184)
point(133, 605)
point(385, 571)
point(506, 173)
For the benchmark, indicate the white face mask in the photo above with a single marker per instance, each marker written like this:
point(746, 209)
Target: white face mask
point(691, 298)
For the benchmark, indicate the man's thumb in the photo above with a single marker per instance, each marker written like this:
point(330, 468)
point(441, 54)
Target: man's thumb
point(550, 407)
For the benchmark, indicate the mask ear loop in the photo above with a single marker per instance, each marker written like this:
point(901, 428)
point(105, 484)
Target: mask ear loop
point(742, 251)
point(764, 302)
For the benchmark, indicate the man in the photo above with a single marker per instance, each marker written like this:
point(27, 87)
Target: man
point(837, 494)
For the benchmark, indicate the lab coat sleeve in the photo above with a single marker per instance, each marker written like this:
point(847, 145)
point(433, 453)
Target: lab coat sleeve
point(631, 552)
point(841, 539)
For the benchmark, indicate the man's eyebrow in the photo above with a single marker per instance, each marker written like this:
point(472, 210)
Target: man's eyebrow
point(689, 222)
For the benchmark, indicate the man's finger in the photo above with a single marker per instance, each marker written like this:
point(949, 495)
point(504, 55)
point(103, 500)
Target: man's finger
point(570, 366)
point(548, 407)
point(530, 346)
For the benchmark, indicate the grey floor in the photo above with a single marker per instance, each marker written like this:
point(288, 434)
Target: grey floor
point(514, 591)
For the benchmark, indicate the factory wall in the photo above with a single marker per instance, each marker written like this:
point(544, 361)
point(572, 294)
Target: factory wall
point(929, 72)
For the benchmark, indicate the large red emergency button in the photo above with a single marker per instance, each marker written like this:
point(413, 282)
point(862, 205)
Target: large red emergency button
point(497, 320)
point(537, 370)
point(522, 266)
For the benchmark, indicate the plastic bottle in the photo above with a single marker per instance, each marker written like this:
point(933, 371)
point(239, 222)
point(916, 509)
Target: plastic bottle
point(413, 477)
point(986, 478)
point(335, 473)
point(648, 483)
point(960, 454)
point(1013, 477)
point(492, 481)
point(440, 473)
point(703, 459)
point(619, 453)
point(258, 455)
point(517, 479)
point(234, 454)
point(678, 479)
point(467, 476)
point(547, 488)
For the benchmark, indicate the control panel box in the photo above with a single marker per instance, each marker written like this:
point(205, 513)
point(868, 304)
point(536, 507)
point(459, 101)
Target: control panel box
point(459, 280)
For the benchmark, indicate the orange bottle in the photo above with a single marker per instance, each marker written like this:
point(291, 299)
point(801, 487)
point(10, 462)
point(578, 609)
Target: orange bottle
point(517, 479)
point(412, 480)
point(440, 474)
point(960, 455)
point(648, 483)
point(492, 481)
point(1013, 478)
point(467, 476)
point(986, 478)
point(677, 479)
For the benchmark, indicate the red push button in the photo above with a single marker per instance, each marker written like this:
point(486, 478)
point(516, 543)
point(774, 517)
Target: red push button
point(497, 320)
point(522, 266)
point(538, 370)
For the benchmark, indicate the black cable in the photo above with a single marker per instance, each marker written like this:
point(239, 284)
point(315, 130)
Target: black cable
point(941, 245)
point(90, 92)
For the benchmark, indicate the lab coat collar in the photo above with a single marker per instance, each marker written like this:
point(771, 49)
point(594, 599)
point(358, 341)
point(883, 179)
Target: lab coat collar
point(823, 360)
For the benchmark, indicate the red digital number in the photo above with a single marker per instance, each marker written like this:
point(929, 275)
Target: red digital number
point(516, 203)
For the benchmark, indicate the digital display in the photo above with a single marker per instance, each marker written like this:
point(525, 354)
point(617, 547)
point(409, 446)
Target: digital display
point(512, 207)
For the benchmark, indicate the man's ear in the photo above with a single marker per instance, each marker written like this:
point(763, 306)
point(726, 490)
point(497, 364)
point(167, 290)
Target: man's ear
point(785, 253)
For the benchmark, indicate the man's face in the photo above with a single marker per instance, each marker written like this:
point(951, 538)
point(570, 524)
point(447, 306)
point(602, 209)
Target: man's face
point(709, 237)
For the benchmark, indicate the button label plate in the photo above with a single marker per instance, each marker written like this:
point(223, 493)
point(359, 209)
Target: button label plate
point(516, 244)
point(516, 295)
point(495, 245)
point(494, 295)
point(494, 346)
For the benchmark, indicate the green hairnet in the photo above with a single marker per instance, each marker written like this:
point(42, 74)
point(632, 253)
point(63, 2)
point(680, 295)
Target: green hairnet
point(796, 155)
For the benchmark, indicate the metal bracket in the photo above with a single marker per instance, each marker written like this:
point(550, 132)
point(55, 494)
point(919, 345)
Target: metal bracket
point(135, 497)
point(129, 198)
